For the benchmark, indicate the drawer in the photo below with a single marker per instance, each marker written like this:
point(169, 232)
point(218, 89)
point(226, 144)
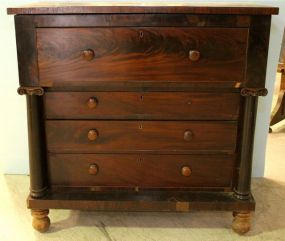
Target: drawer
point(140, 136)
point(82, 56)
point(145, 105)
point(145, 171)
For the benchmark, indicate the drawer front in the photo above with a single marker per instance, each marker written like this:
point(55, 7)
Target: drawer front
point(144, 171)
point(146, 105)
point(133, 136)
point(80, 56)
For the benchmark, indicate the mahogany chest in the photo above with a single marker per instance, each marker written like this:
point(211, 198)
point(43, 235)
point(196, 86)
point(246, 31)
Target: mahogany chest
point(141, 108)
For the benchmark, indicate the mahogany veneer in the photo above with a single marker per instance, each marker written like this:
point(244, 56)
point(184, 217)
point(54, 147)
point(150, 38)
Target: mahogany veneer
point(142, 105)
point(141, 54)
point(141, 108)
point(143, 171)
point(140, 136)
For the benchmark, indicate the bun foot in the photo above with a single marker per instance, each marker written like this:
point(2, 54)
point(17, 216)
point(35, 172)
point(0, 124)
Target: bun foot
point(241, 222)
point(41, 221)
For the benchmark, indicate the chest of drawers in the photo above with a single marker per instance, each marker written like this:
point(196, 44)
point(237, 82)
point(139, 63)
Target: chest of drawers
point(141, 108)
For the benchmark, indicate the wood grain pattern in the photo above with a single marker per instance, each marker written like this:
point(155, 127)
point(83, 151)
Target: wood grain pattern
point(142, 105)
point(258, 43)
point(143, 171)
point(134, 136)
point(26, 51)
point(141, 54)
point(141, 201)
point(141, 20)
point(135, 7)
point(118, 129)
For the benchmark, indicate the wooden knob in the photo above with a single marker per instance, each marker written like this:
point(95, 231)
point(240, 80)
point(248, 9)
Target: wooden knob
point(92, 102)
point(186, 171)
point(93, 169)
point(188, 135)
point(92, 135)
point(194, 55)
point(88, 54)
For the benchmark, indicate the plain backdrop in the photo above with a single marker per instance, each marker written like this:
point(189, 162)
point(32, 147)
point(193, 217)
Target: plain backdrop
point(13, 124)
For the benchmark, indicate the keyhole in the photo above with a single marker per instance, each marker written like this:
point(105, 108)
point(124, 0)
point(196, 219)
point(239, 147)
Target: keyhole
point(141, 34)
point(140, 126)
point(141, 98)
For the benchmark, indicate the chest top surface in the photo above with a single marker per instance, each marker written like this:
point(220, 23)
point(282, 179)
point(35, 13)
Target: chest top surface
point(142, 7)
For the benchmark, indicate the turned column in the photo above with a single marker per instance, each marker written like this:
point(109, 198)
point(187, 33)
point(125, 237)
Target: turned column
point(241, 222)
point(37, 163)
point(250, 99)
point(37, 159)
point(242, 189)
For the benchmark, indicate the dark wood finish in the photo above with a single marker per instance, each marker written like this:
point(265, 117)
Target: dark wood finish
point(144, 108)
point(257, 51)
point(242, 189)
point(142, 105)
point(37, 160)
point(253, 92)
point(141, 54)
point(93, 7)
point(26, 50)
point(148, 86)
point(144, 136)
point(30, 91)
point(142, 20)
point(177, 201)
point(143, 171)
point(152, 85)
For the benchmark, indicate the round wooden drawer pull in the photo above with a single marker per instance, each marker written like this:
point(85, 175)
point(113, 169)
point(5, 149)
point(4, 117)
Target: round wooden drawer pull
point(93, 169)
point(88, 54)
point(92, 102)
point(194, 55)
point(92, 135)
point(188, 135)
point(186, 171)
